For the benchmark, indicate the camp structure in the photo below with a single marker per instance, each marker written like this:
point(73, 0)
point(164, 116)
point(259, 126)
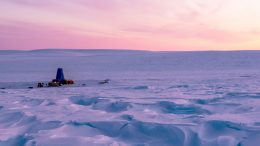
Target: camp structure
point(59, 81)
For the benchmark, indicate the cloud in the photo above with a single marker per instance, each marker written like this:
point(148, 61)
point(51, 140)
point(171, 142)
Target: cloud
point(178, 31)
point(111, 23)
point(103, 5)
point(35, 3)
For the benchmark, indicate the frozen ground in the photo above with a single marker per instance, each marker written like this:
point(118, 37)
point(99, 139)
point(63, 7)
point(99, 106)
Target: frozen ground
point(154, 98)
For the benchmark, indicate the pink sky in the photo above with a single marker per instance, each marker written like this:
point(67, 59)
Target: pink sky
point(130, 24)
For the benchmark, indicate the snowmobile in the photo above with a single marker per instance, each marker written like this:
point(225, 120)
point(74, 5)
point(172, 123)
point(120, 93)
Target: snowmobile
point(106, 81)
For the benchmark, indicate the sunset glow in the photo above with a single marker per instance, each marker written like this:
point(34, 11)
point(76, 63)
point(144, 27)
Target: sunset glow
point(130, 24)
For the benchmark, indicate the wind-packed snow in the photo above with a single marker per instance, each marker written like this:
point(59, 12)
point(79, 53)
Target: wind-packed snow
point(154, 98)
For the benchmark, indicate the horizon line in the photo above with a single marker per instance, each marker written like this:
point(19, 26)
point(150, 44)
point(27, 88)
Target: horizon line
point(110, 49)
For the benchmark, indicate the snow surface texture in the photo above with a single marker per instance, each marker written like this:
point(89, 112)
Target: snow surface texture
point(154, 98)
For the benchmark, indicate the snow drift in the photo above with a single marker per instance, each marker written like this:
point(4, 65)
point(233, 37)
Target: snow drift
point(154, 98)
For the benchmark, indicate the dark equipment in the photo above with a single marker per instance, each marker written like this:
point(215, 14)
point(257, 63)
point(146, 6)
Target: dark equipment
point(40, 85)
point(106, 81)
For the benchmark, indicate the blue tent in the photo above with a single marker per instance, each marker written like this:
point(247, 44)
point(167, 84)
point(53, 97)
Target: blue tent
point(60, 75)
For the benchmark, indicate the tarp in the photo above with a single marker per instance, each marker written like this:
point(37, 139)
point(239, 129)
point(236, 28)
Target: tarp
point(60, 75)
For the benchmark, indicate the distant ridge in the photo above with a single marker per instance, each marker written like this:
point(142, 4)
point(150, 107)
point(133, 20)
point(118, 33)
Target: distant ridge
point(87, 50)
point(117, 50)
